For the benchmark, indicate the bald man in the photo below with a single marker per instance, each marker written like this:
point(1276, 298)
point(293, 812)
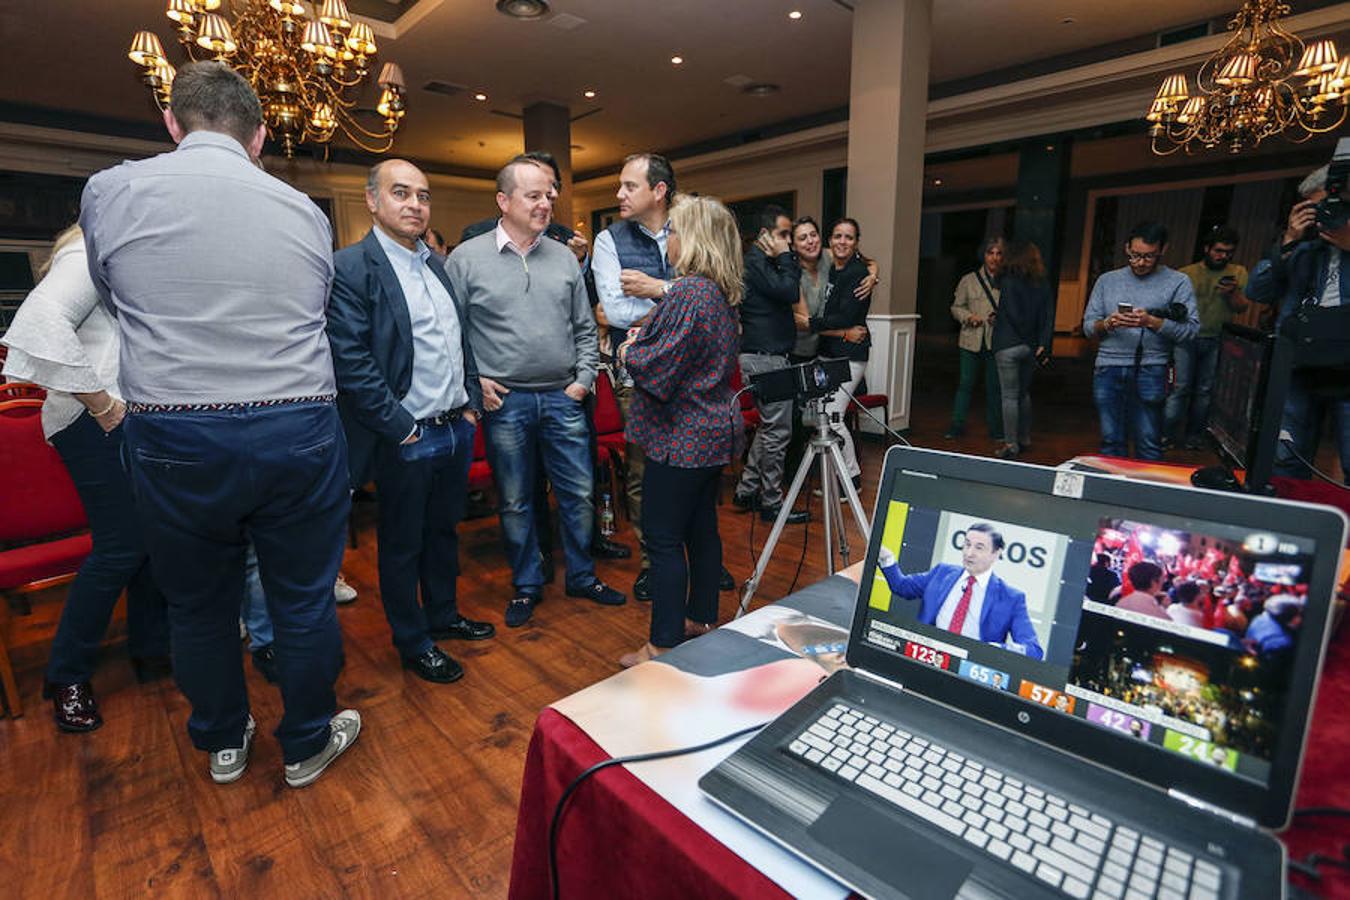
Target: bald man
point(409, 397)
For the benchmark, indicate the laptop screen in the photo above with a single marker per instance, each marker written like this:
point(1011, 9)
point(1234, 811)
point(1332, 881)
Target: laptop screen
point(1165, 630)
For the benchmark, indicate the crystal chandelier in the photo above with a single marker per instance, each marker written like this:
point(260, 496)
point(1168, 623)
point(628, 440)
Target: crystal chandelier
point(305, 71)
point(1263, 82)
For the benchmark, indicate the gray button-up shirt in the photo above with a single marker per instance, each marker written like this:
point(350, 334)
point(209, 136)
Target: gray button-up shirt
point(217, 272)
point(438, 355)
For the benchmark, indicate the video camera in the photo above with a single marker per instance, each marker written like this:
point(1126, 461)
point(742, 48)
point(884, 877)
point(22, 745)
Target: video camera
point(805, 381)
point(1333, 210)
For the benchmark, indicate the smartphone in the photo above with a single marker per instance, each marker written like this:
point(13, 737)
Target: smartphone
point(1228, 279)
point(1124, 308)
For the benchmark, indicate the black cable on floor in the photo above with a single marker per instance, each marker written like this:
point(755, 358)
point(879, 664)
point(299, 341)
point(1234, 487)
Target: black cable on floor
point(1316, 471)
point(558, 810)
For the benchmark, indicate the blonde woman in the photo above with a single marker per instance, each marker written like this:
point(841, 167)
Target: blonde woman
point(63, 339)
point(682, 363)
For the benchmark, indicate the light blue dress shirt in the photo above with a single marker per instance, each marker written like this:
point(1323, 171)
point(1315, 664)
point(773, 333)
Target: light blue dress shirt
point(217, 273)
point(621, 310)
point(438, 356)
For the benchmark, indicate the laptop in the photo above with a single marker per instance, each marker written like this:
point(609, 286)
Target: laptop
point(1061, 684)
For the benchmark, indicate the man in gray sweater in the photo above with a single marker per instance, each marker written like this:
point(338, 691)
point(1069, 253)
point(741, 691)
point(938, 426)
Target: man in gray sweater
point(530, 327)
point(1139, 311)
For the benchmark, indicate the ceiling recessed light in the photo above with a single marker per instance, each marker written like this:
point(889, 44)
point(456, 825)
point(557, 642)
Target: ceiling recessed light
point(523, 9)
point(480, 97)
point(677, 60)
point(589, 95)
point(937, 182)
point(760, 89)
point(1067, 20)
point(795, 14)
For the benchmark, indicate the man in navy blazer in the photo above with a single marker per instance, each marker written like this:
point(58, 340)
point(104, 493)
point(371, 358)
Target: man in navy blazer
point(409, 397)
point(969, 599)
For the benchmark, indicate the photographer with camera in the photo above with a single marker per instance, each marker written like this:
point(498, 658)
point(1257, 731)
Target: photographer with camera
point(1308, 275)
point(1140, 312)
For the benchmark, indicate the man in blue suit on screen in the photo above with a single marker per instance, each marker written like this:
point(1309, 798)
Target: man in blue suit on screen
point(969, 599)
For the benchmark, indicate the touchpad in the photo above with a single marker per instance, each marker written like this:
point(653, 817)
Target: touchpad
point(891, 851)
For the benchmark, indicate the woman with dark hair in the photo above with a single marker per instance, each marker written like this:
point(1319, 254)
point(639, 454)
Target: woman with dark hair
point(806, 246)
point(842, 326)
point(1021, 340)
point(974, 306)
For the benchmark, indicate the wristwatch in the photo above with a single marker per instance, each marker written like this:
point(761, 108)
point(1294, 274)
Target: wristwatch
point(665, 288)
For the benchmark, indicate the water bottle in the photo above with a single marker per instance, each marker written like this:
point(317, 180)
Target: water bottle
point(606, 516)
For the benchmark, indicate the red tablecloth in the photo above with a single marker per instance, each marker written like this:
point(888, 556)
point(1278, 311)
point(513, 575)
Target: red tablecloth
point(620, 839)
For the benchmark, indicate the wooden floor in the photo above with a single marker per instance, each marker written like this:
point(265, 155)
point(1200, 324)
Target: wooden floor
point(425, 803)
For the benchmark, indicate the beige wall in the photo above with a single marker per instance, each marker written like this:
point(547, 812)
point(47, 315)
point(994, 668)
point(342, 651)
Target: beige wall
point(732, 176)
point(456, 201)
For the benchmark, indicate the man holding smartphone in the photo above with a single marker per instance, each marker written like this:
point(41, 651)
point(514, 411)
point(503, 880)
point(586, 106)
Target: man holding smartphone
point(1140, 312)
point(409, 397)
point(1219, 284)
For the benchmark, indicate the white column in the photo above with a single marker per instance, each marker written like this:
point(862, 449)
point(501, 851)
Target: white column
point(888, 104)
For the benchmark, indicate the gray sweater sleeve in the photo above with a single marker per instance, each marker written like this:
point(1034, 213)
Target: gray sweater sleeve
point(585, 334)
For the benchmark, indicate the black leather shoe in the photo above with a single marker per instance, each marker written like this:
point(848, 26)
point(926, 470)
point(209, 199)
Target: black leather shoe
point(745, 502)
point(796, 517)
point(151, 668)
point(726, 582)
point(519, 610)
point(604, 548)
point(599, 592)
point(550, 572)
point(642, 588)
point(434, 665)
point(463, 629)
point(265, 661)
point(73, 706)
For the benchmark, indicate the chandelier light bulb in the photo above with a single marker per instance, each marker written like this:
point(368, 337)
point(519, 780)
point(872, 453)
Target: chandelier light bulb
point(361, 40)
point(216, 35)
point(1174, 89)
point(180, 11)
point(1319, 57)
point(316, 38)
point(288, 8)
point(1238, 71)
point(146, 49)
point(334, 14)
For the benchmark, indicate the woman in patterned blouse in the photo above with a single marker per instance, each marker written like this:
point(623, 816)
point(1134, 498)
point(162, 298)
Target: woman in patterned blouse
point(682, 363)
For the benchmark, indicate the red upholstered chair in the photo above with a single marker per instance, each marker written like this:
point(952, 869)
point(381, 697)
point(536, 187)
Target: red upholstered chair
point(480, 473)
point(609, 438)
point(866, 401)
point(748, 410)
point(40, 519)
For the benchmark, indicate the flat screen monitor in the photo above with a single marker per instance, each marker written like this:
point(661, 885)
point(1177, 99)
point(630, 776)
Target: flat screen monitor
point(1247, 399)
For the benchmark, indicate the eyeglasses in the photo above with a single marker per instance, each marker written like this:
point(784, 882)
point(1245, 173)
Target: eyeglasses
point(1141, 257)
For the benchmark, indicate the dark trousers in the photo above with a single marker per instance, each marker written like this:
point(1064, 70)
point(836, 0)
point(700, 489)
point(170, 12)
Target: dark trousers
point(680, 529)
point(208, 481)
point(971, 363)
point(118, 559)
point(421, 505)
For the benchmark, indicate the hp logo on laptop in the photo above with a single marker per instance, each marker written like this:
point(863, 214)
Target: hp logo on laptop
point(1024, 717)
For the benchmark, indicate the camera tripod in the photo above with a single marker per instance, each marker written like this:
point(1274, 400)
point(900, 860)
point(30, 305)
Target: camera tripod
point(833, 477)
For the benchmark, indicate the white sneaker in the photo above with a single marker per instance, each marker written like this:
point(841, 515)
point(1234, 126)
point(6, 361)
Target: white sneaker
point(343, 592)
point(229, 764)
point(342, 732)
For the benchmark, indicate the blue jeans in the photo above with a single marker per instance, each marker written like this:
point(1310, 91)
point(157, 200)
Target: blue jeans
point(1304, 413)
point(209, 481)
point(1016, 366)
point(547, 427)
point(1187, 405)
point(118, 559)
point(256, 620)
point(1130, 400)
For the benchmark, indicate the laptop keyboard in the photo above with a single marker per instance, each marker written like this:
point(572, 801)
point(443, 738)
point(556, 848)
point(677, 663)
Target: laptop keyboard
point(1082, 853)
